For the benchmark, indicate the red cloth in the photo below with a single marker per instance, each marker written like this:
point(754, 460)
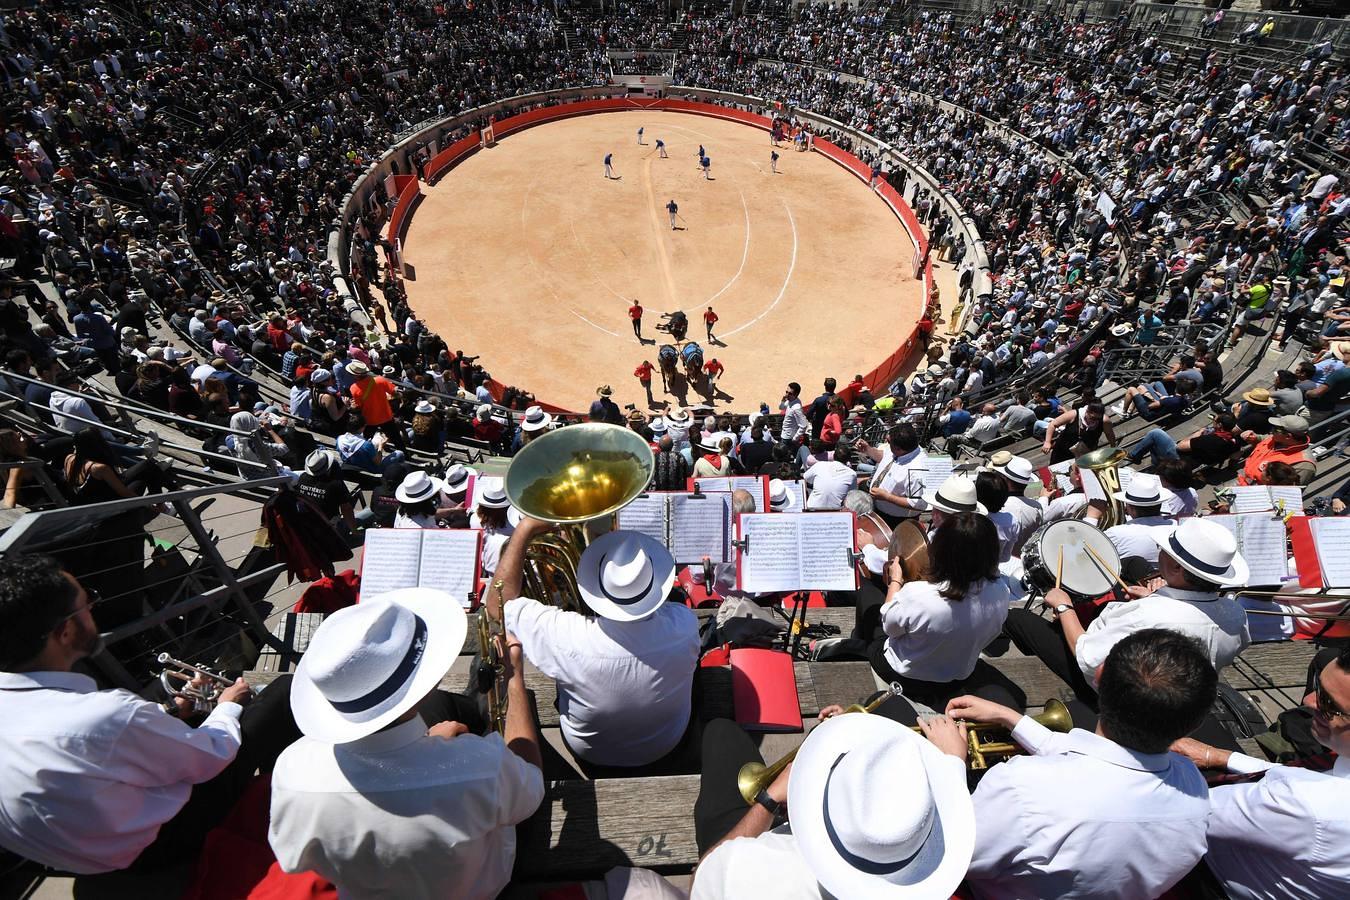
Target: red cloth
point(329, 594)
point(237, 863)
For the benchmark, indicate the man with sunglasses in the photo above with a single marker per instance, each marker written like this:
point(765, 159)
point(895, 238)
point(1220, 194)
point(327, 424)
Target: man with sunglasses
point(1288, 833)
point(94, 781)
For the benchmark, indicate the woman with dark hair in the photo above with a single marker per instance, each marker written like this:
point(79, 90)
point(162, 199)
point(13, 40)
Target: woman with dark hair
point(932, 631)
point(92, 473)
point(991, 489)
point(1175, 475)
point(184, 401)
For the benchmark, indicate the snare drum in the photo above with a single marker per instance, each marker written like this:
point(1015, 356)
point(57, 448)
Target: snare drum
point(1083, 578)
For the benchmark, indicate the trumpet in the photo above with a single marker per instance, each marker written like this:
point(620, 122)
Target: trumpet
point(488, 676)
point(985, 745)
point(755, 777)
point(177, 680)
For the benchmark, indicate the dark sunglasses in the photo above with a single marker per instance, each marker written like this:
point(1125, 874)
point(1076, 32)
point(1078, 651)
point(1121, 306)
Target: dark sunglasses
point(1325, 705)
point(93, 598)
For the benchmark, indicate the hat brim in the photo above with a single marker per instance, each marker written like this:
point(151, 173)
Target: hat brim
point(931, 498)
point(455, 490)
point(1013, 476)
point(537, 426)
point(1236, 574)
point(1269, 401)
point(447, 627)
point(435, 485)
point(1163, 496)
point(593, 593)
point(789, 505)
point(936, 870)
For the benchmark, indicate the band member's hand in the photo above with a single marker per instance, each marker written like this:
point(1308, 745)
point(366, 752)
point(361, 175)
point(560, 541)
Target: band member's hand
point(861, 445)
point(1198, 752)
point(829, 712)
point(1057, 597)
point(779, 789)
point(947, 735)
point(447, 730)
point(1140, 591)
point(968, 708)
point(239, 692)
point(514, 657)
point(1337, 506)
point(530, 526)
point(185, 706)
point(895, 572)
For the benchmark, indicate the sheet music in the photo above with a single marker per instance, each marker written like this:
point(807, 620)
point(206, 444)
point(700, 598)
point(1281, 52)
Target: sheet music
point(1126, 476)
point(826, 564)
point(797, 488)
point(1251, 498)
point(1092, 488)
point(1331, 537)
point(1261, 539)
point(939, 470)
point(699, 527)
point(646, 514)
point(725, 484)
point(773, 562)
point(390, 561)
point(1291, 494)
point(1060, 471)
point(449, 562)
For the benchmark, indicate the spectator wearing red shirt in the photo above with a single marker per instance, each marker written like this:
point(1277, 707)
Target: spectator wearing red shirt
point(710, 319)
point(372, 395)
point(635, 313)
point(643, 374)
point(833, 427)
point(278, 335)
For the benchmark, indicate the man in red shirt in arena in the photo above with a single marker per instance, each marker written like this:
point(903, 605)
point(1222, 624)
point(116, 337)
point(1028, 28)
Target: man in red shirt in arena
point(710, 319)
point(713, 370)
point(643, 374)
point(635, 313)
point(371, 395)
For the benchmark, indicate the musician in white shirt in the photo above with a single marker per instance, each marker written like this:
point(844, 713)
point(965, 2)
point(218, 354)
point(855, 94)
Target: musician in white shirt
point(1108, 814)
point(1288, 834)
point(830, 480)
point(372, 798)
point(933, 630)
point(1197, 560)
point(93, 781)
point(1143, 501)
point(897, 484)
point(625, 676)
point(1026, 512)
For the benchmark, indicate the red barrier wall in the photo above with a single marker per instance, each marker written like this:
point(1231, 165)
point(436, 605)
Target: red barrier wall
point(408, 192)
point(877, 380)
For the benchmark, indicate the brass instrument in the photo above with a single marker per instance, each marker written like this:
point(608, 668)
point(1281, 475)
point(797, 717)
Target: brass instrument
point(1274, 595)
point(177, 680)
point(488, 676)
point(1105, 464)
point(573, 476)
point(982, 745)
point(755, 777)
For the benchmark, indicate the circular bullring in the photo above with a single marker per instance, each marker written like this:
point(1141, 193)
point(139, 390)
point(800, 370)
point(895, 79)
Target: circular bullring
point(526, 254)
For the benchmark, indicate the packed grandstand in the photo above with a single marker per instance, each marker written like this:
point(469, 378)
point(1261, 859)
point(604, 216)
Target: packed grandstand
point(1107, 466)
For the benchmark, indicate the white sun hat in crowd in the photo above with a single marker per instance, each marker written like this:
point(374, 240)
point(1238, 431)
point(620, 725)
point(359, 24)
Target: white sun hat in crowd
point(863, 843)
point(956, 495)
point(416, 487)
point(1014, 468)
point(780, 498)
point(1144, 490)
point(535, 419)
point(491, 492)
point(368, 664)
point(625, 575)
point(424, 407)
point(1204, 549)
point(456, 480)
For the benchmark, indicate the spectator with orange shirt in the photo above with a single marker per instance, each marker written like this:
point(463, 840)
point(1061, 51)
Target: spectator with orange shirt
point(371, 394)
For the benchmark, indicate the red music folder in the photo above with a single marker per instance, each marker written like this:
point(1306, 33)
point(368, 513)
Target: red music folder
point(764, 690)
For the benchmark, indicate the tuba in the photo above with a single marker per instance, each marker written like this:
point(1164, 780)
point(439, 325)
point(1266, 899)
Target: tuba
point(571, 477)
point(1104, 463)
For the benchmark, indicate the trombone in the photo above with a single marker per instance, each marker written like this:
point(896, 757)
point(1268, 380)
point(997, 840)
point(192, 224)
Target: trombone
point(1295, 613)
point(985, 744)
point(490, 671)
point(178, 679)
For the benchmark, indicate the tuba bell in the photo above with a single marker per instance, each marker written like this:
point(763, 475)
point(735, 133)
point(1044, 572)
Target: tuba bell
point(574, 477)
point(1104, 463)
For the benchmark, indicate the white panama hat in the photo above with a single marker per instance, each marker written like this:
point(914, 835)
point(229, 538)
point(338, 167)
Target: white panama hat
point(780, 498)
point(535, 419)
point(860, 842)
point(491, 492)
point(1014, 468)
point(625, 575)
point(956, 495)
point(1204, 549)
point(416, 487)
point(456, 480)
point(368, 664)
point(1144, 490)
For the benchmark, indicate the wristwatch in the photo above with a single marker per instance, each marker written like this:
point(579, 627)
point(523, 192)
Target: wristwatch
point(1061, 609)
point(772, 805)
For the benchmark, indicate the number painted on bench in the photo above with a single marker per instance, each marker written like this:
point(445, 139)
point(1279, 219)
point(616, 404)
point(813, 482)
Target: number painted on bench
point(651, 846)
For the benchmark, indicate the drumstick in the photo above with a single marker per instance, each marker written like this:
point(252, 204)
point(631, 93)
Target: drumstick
point(1105, 568)
point(1059, 571)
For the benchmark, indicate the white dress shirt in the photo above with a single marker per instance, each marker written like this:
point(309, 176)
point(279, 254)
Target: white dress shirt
point(87, 777)
point(902, 476)
point(794, 421)
point(931, 638)
point(830, 482)
point(1066, 507)
point(766, 866)
point(984, 428)
point(1285, 836)
point(1133, 538)
point(402, 815)
point(1085, 817)
point(1181, 504)
point(1218, 623)
point(1028, 514)
point(624, 688)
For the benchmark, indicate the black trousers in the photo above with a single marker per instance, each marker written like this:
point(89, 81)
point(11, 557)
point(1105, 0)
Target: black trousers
point(443, 706)
point(725, 748)
point(985, 681)
point(267, 728)
point(637, 328)
point(1044, 640)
